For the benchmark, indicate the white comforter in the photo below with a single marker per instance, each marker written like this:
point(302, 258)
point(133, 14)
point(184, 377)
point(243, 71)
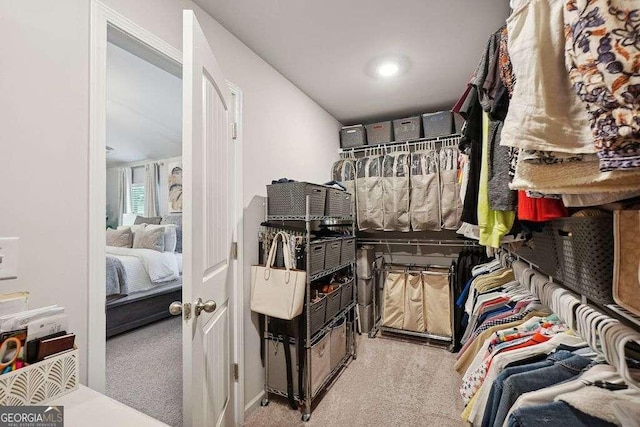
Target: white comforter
point(160, 266)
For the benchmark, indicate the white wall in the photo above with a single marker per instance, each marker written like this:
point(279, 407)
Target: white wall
point(44, 109)
point(44, 98)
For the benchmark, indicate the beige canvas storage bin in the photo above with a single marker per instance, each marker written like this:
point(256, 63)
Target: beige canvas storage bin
point(42, 381)
point(338, 343)
point(278, 366)
point(414, 304)
point(393, 307)
point(437, 304)
point(320, 362)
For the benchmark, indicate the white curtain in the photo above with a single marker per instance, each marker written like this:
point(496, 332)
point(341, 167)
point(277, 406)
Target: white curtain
point(152, 190)
point(125, 176)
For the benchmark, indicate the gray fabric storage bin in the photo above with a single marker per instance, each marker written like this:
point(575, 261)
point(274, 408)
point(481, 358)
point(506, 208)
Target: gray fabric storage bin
point(332, 253)
point(317, 257)
point(365, 291)
point(333, 304)
point(278, 365)
point(407, 129)
point(352, 136)
point(346, 294)
point(320, 362)
point(289, 199)
point(379, 133)
point(348, 251)
point(334, 204)
point(318, 313)
point(338, 343)
point(437, 124)
point(366, 317)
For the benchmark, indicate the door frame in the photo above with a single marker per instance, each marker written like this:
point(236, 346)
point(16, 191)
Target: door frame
point(101, 18)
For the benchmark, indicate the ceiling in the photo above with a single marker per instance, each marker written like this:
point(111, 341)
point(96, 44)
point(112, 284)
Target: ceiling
point(326, 48)
point(144, 108)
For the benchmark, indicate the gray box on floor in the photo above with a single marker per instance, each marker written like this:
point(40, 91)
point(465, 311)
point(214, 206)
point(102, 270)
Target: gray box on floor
point(365, 291)
point(278, 366)
point(366, 317)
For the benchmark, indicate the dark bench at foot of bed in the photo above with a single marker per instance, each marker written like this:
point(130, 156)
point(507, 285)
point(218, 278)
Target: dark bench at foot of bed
point(141, 308)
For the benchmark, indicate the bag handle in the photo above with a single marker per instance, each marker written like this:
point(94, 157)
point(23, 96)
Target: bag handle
point(272, 255)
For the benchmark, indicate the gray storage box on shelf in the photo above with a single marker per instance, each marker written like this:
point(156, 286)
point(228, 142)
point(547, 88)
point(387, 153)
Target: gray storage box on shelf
point(289, 199)
point(437, 124)
point(352, 136)
point(407, 129)
point(335, 202)
point(365, 291)
point(278, 365)
point(538, 249)
point(458, 122)
point(338, 343)
point(347, 204)
point(348, 251)
point(332, 253)
point(320, 362)
point(585, 253)
point(346, 294)
point(364, 264)
point(317, 257)
point(366, 318)
point(333, 304)
point(318, 312)
point(379, 133)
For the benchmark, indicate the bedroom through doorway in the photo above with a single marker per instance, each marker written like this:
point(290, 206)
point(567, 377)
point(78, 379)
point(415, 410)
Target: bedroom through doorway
point(144, 227)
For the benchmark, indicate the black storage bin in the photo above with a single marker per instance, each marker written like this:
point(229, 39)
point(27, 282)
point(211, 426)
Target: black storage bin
point(348, 252)
point(289, 199)
point(407, 129)
point(540, 250)
point(346, 296)
point(437, 124)
point(379, 133)
point(317, 257)
point(352, 136)
point(333, 304)
point(334, 202)
point(585, 253)
point(318, 313)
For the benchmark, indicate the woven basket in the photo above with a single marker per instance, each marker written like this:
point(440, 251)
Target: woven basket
point(541, 251)
point(584, 247)
point(289, 199)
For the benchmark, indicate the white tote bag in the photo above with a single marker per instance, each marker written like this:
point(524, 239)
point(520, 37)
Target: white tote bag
point(278, 292)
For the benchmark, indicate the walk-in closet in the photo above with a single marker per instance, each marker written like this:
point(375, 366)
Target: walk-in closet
point(354, 213)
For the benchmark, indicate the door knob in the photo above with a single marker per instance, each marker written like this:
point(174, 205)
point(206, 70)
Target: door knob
point(208, 306)
point(175, 308)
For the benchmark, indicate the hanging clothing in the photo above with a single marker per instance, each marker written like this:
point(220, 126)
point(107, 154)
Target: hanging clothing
point(602, 51)
point(493, 224)
point(544, 113)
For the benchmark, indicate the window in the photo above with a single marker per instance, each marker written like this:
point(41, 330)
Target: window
point(137, 199)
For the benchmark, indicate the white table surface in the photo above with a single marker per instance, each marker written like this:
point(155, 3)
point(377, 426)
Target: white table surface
point(86, 407)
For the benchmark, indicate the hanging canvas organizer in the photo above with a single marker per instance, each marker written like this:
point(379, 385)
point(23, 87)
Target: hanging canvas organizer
point(395, 191)
point(425, 211)
point(369, 192)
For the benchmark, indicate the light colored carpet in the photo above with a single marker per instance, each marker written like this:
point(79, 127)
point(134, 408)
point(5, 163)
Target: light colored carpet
point(391, 383)
point(144, 370)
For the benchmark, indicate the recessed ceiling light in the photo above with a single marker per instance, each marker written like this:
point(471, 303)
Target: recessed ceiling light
point(388, 69)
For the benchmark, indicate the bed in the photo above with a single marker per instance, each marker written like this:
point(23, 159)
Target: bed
point(140, 285)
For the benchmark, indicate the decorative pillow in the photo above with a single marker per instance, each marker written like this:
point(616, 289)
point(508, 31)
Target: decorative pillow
point(134, 229)
point(155, 220)
point(149, 239)
point(175, 219)
point(122, 237)
point(169, 236)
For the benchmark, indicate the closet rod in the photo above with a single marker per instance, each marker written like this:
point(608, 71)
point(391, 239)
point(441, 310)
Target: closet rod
point(398, 143)
point(614, 310)
point(418, 242)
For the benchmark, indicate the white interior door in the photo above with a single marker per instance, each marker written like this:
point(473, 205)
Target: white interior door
point(207, 272)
